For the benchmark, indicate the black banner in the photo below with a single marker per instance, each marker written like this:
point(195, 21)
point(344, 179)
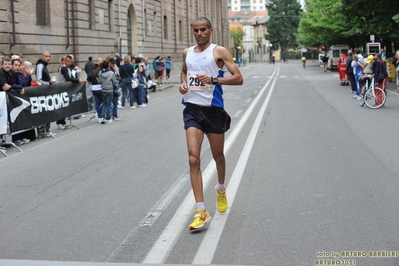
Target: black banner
point(44, 104)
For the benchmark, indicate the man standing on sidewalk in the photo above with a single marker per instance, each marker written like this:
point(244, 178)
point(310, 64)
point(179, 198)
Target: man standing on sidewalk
point(44, 78)
point(349, 71)
point(202, 77)
point(64, 75)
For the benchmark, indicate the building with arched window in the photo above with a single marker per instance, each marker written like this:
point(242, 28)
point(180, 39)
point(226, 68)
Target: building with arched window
point(99, 28)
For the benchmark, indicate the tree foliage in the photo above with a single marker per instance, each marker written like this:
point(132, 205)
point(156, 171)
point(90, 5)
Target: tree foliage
point(323, 24)
point(284, 16)
point(348, 21)
point(237, 34)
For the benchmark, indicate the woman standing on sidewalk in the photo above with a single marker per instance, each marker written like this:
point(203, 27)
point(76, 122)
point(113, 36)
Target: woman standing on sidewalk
point(126, 73)
point(141, 76)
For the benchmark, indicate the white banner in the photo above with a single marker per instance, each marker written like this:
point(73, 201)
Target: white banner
point(3, 113)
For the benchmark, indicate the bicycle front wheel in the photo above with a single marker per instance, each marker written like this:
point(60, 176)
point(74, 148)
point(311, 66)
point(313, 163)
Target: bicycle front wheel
point(375, 99)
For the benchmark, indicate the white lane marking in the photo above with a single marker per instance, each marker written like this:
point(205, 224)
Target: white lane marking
point(209, 243)
point(255, 77)
point(166, 241)
point(249, 100)
point(164, 201)
point(283, 77)
point(154, 213)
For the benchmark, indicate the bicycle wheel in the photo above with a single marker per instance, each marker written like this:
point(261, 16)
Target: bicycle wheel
point(361, 100)
point(375, 100)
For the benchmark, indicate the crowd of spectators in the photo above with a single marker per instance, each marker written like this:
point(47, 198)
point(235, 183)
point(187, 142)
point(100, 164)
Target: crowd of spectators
point(111, 82)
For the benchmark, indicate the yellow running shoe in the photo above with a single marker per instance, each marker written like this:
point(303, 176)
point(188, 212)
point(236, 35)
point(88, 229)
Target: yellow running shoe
point(200, 219)
point(221, 200)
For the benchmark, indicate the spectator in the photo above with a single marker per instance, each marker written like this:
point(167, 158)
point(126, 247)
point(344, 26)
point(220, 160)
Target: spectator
point(360, 57)
point(378, 58)
point(43, 77)
point(168, 66)
point(107, 79)
point(65, 75)
point(147, 67)
point(349, 71)
point(118, 59)
point(24, 79)
point(379, 71)
point(154, 66)
point(158, 70)
point(151, 85)
point(383, 55)
point(7, 78)
point(126, 71)
point(96, 88)
point(325, 62)
point(116, 94)
point(395, 62)
point(89, 66)
point(142, 86)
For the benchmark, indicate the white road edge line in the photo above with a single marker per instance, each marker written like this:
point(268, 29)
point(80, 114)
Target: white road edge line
point(209, 244)
point(162, 247)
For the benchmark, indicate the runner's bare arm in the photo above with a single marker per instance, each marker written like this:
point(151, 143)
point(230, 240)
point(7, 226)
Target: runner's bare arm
point(183, 88)
point(223, 58)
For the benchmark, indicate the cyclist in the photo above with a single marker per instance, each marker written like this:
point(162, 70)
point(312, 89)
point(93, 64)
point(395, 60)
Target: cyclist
point(304, 61)
point(380, 72)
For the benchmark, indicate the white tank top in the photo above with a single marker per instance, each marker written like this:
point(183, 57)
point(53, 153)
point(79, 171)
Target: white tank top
point(203, 63)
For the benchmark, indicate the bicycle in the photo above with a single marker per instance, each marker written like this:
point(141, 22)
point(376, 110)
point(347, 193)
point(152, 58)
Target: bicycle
point(373, 97)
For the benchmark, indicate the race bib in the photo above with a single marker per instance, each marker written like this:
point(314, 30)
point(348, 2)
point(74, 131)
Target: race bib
point(194, 83)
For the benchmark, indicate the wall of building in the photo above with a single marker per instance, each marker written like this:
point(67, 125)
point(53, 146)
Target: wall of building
point(99, 28)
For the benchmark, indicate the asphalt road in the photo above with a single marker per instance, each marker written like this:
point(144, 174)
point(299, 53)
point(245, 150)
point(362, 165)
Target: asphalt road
point(313, 179)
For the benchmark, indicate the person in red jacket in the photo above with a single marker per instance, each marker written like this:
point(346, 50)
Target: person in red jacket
point(342, 69)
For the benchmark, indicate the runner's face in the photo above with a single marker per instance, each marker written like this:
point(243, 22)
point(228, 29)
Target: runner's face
point(201, 32)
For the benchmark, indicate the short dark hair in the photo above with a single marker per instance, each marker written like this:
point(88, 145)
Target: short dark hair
point(90, 58)
point(208, 22)
point(15, 59)
point(104, 64)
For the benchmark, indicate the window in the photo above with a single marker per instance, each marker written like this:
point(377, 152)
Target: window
point(165, 27)
point(43, 13)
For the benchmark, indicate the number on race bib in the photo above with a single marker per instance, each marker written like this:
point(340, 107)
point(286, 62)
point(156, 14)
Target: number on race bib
point(194, 81)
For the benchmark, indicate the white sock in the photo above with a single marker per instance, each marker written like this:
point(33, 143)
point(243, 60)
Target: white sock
point(200, 205)
point(221, 187)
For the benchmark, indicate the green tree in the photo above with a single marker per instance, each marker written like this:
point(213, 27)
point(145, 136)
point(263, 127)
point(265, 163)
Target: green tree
point(349, 21)
point(237, 34)
point(284, 16)
point(373, 19)
point(324, 24)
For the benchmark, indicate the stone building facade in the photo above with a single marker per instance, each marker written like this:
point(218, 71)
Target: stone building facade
point(99, 28)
